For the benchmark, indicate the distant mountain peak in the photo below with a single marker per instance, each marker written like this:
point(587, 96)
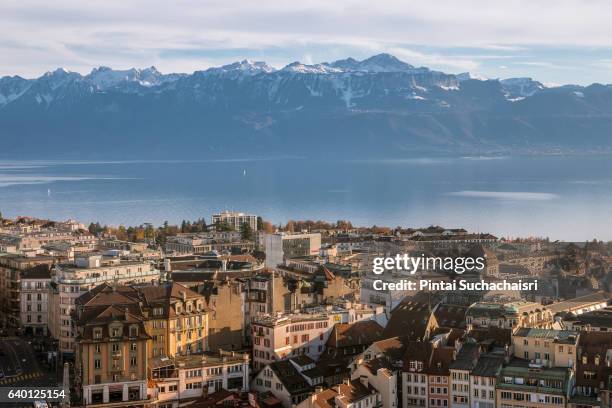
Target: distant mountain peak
point(56, 72)
point(377, 63)
point(465, 76)
point(298, 67)
point(521, 87)
point(245, 66)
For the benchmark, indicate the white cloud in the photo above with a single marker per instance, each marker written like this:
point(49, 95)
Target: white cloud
point(39, 35)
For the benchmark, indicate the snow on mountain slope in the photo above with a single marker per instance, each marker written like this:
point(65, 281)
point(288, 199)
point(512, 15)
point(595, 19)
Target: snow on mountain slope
point(104, 77)
point(376, 63)
point(520, 87)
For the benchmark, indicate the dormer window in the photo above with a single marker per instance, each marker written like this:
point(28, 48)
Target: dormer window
point(597, 360)
point(115, 332)
point(133, 331)
point(97, 333)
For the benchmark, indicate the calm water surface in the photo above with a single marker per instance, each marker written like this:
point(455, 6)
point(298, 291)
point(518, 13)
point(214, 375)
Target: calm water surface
point(561, 197)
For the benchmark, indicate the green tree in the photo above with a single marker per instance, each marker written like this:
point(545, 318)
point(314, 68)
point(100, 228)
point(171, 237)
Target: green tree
point(223, 226)
point(246, 232)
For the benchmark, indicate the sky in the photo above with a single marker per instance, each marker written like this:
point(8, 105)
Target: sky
point(554, 41)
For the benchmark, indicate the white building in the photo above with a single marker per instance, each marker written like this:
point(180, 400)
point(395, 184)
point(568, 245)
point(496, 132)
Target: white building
point(35, 287)
point(180, 378)
point(381, 375)
point(280, 246)
point(72, 280)
point(303, 333)
point(235, 219)
point(279, 337)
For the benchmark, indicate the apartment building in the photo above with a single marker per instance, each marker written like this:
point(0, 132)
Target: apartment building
point(120, 328)
point(226, 302)
point(414, 374)
point(594, 358)
point(483, 379)
point(285, 380)
point(35, 288)
point(69, 281)
point(438, 377)
point(460, 370)
point(520, 385)
point(305, 332)
point(11, 268)
point(235, 219)
point(381, 375)
point(546, 347)
point(177, 380)
point(112, 356)
point(176, 318)
point(282, 336)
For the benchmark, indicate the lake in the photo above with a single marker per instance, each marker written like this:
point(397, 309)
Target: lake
point(562, 197)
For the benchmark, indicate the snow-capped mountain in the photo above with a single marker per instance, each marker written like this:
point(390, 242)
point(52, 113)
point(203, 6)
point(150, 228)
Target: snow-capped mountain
point(379, 104)
point(104, 77)
point(244, 67)
point(377, 63)
point(520, 87)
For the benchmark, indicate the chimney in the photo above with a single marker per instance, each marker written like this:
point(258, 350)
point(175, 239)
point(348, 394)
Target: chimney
point(346, 381)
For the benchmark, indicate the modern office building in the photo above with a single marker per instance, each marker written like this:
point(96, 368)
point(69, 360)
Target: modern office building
point(281, 246)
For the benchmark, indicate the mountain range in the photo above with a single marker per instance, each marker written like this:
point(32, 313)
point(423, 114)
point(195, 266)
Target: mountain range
point(377, 107)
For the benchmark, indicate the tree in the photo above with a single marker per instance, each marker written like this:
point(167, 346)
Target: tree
point(246, 232)
point(121, 233)
point(267, 227)
point(290, 227)
point(223, 226)
point(95, 228)
point(260, 223)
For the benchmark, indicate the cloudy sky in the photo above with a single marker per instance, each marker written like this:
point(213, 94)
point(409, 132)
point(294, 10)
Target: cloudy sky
point(555, 41)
